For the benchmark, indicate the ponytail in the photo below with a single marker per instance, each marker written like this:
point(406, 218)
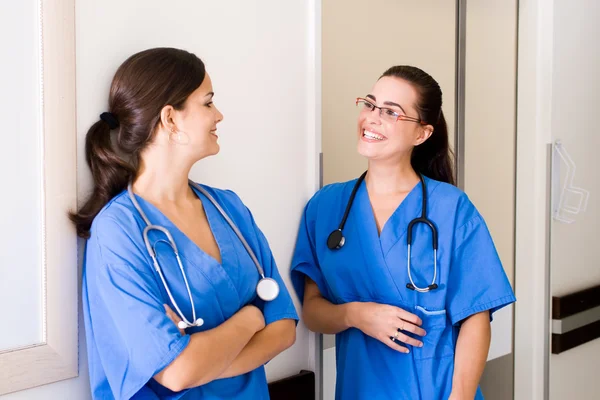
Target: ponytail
point(142, 86)
point(433, 158)
point(109, 172)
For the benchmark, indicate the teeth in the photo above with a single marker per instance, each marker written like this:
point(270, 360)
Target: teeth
point(371, 135)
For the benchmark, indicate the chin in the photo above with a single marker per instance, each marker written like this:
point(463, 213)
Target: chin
point(213, 149)
point(208, 152)
point(366, 151)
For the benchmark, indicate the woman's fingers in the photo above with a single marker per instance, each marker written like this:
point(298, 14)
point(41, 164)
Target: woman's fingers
point(407, 326)
point(173, 317)
point(408, 317)
point(393, 326)
point(401, 337)
point(394, 345)
point(171, 314)
point(395, 340)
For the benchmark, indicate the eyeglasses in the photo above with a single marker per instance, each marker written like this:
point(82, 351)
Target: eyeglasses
point(385, 113)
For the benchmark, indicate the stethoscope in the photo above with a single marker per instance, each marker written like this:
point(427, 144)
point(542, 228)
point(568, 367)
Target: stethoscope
point(267, 288)
point(336, 239)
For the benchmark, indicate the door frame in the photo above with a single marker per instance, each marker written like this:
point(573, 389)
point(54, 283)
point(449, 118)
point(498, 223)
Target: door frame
point(534, 106)
point(315, 177)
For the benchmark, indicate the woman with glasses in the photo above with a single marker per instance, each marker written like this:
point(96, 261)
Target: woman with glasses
point(398, 263)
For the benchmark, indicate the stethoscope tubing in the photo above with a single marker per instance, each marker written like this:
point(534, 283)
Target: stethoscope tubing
point(336, 239)
point(171, 242)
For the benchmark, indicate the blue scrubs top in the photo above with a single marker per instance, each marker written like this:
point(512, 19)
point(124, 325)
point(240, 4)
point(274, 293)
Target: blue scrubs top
point(129, 336)
point(373, 268)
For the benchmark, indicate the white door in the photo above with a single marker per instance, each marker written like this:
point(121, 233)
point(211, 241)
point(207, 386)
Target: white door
point(575, 220)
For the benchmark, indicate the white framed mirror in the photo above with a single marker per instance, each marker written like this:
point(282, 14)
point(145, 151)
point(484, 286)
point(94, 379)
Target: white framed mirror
point(38, 244)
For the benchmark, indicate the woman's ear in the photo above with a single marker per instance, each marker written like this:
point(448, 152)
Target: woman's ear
point(166, 118)
point(425, 133)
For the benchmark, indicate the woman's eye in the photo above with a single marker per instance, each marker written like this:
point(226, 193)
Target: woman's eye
point(209, 105)
point(391, 112)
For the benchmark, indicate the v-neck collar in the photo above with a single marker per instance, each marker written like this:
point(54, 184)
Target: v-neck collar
point(396, 225)
point(184, 244)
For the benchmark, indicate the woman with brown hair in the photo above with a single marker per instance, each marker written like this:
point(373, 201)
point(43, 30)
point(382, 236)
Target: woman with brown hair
point(181, 294)
point(398, 263)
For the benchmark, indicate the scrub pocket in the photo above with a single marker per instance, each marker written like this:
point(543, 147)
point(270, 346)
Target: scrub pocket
point(438, 340)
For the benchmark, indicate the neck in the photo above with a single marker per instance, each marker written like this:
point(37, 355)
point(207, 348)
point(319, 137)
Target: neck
point(163, 177)
point(387, 178)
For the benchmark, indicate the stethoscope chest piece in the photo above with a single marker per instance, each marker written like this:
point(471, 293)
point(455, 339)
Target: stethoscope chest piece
point(336, 240)
point(267, 289)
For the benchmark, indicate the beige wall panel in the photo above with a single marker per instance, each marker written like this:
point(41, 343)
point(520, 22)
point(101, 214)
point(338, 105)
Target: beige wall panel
point(490, 115)
point(360, 41)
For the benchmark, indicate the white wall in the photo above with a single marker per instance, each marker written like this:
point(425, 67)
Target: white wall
point(260, 55)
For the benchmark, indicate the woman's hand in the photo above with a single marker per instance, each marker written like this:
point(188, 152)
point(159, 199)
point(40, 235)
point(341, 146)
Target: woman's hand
point(254, 317)
point(251, 313)
point(386, 323)
point(174, 317)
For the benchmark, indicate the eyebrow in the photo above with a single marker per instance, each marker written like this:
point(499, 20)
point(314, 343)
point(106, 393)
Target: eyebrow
point(387, 103)
point(209, 94)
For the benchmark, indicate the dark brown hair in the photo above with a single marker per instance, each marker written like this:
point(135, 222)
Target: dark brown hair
point(144, 84)
point(433, 158)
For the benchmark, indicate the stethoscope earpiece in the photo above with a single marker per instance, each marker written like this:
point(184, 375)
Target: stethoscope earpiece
point(430, 287)
point(184, 325)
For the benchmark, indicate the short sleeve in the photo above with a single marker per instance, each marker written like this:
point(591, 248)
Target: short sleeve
point(132, 334)
point(282, 307)
point(477, 281)
point(304, 261)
